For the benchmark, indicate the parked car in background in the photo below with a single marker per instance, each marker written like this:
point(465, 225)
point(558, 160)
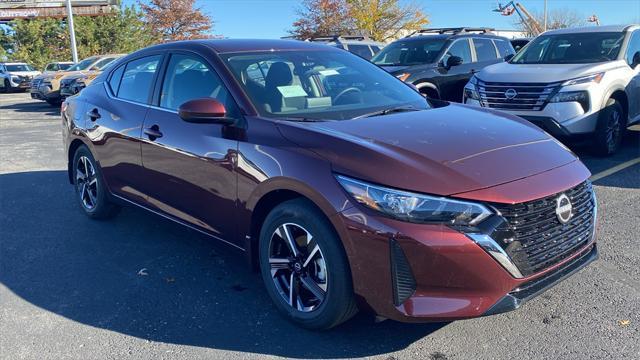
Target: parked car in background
point(341, 184)
point(518, 44)
point(57, 66)
point(47, 86)
point(577, 84)
point(439, 62)
point(357, 44)
point(16, 75)
point(74, 83)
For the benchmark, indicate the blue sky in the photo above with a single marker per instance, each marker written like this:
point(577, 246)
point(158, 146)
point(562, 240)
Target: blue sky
point(272, 18)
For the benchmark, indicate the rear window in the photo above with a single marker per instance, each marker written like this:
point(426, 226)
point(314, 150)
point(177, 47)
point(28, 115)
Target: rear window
point(114, 81)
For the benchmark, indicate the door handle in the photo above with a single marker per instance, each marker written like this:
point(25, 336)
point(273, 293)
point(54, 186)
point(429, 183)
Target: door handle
point(153, 132)
point(94, 115)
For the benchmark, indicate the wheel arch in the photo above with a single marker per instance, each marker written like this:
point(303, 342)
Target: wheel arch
point(273, 193)
point(428, 88)
point(620, 96)
point(73, 147)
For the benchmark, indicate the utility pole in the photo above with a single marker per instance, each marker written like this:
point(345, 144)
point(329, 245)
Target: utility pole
point(72, 32)
point(545, 15)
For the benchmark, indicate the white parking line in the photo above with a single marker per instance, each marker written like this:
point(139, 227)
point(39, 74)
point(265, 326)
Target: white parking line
point(614, 169)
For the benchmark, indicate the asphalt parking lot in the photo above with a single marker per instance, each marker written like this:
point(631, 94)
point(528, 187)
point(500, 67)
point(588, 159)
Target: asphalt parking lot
point(140, 287)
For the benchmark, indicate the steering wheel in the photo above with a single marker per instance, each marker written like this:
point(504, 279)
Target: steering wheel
point(355, 90)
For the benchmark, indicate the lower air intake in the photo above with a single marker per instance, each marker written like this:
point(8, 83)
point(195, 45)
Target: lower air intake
point(404, 284)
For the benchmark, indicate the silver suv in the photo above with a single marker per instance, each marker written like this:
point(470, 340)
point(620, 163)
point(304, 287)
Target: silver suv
point(581, 83)
point(16, 75)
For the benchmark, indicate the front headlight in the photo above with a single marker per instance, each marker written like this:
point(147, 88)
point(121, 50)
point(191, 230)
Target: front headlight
point(412, 207)
point(403, 76)
point(585, 79)
point(473, 80)
point(581, 97)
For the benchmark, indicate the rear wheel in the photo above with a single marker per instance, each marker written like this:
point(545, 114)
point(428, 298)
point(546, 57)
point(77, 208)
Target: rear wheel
point(91, 192)
point(304, 266)
point(610, 128)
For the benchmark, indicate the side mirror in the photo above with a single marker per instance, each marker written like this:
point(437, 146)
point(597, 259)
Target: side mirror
point(204, 111)
point(454, 61)
point(508, 57)
point(636, 60)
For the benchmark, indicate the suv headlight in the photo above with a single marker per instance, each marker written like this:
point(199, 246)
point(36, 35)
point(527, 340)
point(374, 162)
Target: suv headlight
point(585, 79)
point(413, 207)
point(581, 97)
point(472, 91)
point(473, 80)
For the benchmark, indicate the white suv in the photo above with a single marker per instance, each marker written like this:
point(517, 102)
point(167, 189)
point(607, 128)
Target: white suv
point(16, 75)
point(579, 83)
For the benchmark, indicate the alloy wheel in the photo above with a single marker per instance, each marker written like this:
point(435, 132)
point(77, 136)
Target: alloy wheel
point(87, 183)
point(613, 130)
point(298, 268)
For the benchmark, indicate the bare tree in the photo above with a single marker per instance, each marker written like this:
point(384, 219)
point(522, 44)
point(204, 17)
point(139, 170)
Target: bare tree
point(556, 19)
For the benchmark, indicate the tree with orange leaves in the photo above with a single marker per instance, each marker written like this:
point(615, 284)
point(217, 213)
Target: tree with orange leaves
point(176, 19)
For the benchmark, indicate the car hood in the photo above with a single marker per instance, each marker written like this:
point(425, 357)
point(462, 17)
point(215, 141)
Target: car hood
point(444, 151)
point(540, 73)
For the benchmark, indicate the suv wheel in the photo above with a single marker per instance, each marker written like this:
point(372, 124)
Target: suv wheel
point(90, 188)
point(7, 86)
point(304, 266)
point(610, 128)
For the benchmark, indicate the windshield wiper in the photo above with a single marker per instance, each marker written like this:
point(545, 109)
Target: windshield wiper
point(387, 111)
point(300, 119)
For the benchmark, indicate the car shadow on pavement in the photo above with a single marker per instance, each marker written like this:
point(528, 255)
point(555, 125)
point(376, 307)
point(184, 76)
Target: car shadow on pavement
point(40, 107)
point(147, 277)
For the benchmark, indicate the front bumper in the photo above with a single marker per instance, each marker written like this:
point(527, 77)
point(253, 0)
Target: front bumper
point(442, 274)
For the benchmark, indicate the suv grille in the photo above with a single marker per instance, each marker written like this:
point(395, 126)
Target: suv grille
point(536, 239)
point(515, 96)
point(36, 83)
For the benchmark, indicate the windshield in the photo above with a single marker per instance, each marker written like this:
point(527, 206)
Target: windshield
point(19, 67)
point(64, 66)
point(581, 48)
point(83, 65)
point(102, 64)
point(318, 85)
point(412, 52)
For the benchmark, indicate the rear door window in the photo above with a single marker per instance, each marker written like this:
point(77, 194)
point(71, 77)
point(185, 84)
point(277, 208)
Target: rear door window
point(138, 78)
point(116, 77)
point(485, 51)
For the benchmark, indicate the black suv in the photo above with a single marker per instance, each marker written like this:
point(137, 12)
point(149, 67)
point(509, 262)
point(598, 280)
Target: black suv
point(440, 61)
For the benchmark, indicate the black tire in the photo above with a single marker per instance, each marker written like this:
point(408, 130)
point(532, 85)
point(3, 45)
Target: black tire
point(610, 129)
point(7, 86)
point(338, 302)
point(54, 102)
point(91, 192)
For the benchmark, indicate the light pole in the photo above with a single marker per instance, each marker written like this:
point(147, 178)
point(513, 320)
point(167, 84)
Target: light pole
point(545, 15)
point(72, 32)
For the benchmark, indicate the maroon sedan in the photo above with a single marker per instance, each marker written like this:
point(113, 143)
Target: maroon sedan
point(343, 185)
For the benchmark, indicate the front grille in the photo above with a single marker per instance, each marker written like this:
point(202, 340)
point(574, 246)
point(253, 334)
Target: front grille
point(35, 84)
point(528, 96)
point(533, 236)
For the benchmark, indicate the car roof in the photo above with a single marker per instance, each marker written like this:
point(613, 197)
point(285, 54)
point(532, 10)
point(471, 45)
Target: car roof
point(14, 63)
point(593, 29)
point(244, 45)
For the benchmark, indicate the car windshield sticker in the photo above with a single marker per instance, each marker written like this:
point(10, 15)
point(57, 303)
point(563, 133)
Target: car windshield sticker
point(292, 91)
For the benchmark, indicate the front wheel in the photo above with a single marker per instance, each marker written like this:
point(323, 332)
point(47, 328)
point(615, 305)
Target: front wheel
point(610, 128)
point(7, 86)
point(91, 192)
point(304, 266)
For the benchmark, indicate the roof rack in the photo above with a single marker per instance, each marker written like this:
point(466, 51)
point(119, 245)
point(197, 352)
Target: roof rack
point(454, 31)
point(338, 37)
